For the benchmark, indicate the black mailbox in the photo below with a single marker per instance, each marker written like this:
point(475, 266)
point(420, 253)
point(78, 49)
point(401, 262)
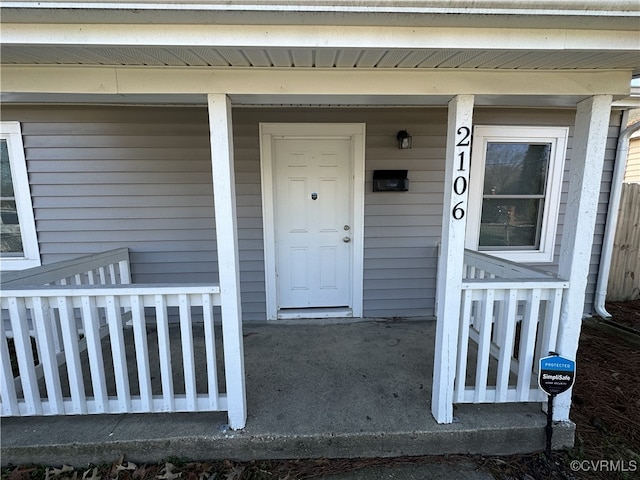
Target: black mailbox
point(390, 181)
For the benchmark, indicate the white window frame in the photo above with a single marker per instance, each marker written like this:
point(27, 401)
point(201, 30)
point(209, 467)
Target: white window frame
point(11, 132)
point(484, 134)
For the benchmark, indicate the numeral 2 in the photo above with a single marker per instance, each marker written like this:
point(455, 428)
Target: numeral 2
point(464, 141)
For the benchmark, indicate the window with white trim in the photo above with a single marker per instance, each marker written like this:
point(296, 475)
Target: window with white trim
point(514, 194)
point(18, 240)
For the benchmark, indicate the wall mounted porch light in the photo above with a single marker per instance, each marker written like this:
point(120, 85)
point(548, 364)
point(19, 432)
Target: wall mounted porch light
point(404, 140)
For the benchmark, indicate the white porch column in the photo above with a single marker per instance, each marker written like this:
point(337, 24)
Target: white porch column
point(221, 135)
point(451, 260)
point(587, 160)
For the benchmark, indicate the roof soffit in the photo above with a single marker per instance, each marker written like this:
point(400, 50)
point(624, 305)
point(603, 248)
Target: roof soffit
point(482, 34)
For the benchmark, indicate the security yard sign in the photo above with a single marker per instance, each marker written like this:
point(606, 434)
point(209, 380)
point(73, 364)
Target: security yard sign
point(557, 374)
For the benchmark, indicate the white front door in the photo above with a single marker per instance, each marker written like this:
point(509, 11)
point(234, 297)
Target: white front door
point(313, 221)
point(313, 214)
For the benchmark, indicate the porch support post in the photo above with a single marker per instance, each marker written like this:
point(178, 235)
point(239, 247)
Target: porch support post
point(451, 259)
point(221, 135)
point(587, 160)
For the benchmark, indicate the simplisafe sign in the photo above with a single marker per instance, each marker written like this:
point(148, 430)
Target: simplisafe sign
point(556, 374)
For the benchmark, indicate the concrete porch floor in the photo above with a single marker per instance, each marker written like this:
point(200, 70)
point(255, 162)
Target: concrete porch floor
point(314, 389)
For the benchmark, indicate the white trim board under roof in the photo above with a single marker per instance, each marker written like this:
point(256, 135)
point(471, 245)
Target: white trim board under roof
point(331, 101)
point(612, 14)
point(371, 83)
point(320, 37)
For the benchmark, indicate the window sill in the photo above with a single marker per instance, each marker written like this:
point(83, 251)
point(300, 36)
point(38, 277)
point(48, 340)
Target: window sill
point(12, 264)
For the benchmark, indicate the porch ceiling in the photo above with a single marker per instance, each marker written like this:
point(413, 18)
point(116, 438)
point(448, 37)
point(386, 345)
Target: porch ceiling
point(379, 58)
point(421, 34)
point(378, 42)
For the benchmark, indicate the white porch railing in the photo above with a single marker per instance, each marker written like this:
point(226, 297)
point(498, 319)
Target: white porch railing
point(83, 340)
point(509, 318)
point(107, 268)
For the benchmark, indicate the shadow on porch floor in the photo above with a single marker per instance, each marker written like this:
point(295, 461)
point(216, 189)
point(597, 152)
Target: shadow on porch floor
point(334, 390)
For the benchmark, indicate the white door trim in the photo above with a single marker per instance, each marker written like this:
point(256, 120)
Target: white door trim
point(354, 131)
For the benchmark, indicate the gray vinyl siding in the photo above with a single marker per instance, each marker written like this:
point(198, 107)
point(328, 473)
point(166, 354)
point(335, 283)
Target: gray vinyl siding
point(105, 177)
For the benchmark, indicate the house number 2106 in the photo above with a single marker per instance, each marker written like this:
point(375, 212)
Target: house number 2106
point(460, 184)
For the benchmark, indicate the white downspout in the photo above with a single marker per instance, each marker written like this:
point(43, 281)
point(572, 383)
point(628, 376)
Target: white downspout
point(612, 218)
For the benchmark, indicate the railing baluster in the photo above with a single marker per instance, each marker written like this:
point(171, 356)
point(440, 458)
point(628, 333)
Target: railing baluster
point(72, 355)
point(7, 384)
point(549, 330)
point(210, 346)
point(484, 346)
point(125, 272)
point(113, 279)
point(527, 345)
point(92, 277)
point(463, 347)
point(94, 351)
point(142, 352)
point(24, 354)
point(164, 354)
point(505, 341)
point(186, 334)
point(48, 358)
point(120, 370)
point(102, 275)
point(77, 279)
point(54, 314)
point(498, 315)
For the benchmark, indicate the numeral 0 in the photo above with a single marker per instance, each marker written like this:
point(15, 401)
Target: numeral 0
point(460, 185)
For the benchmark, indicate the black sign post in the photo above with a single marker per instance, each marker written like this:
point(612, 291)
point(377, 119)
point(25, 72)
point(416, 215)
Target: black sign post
point(556, 375)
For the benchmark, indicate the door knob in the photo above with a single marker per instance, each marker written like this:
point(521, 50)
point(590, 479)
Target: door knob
point(346, 239)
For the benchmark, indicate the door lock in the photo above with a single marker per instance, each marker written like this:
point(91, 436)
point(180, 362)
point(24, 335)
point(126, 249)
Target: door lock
point(347, 227)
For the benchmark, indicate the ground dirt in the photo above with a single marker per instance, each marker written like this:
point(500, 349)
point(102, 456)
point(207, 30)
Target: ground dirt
point(606, 410)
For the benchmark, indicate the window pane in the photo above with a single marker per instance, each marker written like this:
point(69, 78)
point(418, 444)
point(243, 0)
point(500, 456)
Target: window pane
point(516, 168)
point(510, 223)
point(6, 187)
point(10, 238)
point(11, 241)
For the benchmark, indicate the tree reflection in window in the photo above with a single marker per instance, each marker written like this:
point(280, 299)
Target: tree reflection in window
point(513, 195)
point(10, 236)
